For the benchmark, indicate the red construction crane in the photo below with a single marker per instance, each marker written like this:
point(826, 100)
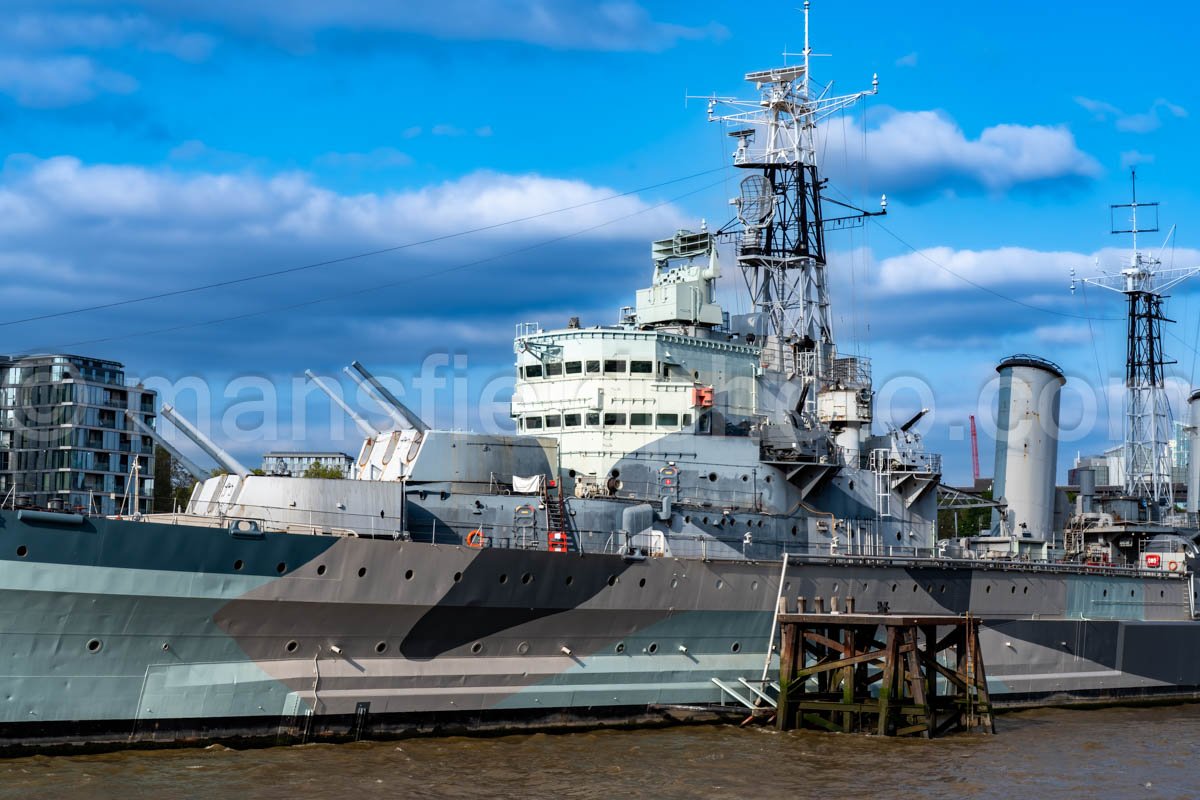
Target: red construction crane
point(974, 450)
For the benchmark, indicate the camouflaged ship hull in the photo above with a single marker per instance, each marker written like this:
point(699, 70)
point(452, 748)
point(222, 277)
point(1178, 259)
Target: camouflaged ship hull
point(127, 632)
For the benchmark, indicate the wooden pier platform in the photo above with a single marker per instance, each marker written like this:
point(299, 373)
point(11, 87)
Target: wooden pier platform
point(878, 673)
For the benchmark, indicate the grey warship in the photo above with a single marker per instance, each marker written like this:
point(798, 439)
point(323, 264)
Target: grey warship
point(671, 477)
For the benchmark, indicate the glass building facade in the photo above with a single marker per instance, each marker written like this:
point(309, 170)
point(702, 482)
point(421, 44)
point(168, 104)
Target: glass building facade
point(65, 442)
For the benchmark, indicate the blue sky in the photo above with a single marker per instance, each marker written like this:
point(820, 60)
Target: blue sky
point(155, 146)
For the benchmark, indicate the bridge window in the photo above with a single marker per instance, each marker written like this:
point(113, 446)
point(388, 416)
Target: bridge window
point(668, 420)
point(531, 423)
point(614, 367)
point(571, 420)
point(553, 421)
point(593, 367)
point(641, 367)
point(533, 371)
point(574, 367)
point(687, 420)
point(554, 369)
point(614, 419)
point(593, 419)
point(640, 419)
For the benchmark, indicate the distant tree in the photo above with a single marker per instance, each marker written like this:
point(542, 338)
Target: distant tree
point(172, 482)
point(317, 470)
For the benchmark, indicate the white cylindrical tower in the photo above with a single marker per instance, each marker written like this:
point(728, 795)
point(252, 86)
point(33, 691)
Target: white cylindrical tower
point(1193, 473)
point(1027, 443)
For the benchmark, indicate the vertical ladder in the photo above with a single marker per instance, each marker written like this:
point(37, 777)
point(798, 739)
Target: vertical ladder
point(556, 512)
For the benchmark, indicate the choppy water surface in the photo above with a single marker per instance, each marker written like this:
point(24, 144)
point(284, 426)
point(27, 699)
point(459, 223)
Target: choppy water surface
point(1110, 753)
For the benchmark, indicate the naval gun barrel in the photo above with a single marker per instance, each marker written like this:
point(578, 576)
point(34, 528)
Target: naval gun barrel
point(914, 420)
point(158, 438)
point(204, 443)
point(362, 424)
point(406, 418)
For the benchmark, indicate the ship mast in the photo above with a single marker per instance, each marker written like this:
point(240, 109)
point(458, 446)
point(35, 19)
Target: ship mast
point(781, 250)
point(1147, 411)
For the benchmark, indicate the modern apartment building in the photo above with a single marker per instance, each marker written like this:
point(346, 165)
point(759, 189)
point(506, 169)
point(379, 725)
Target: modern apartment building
point(294, 463)
point(65, 442)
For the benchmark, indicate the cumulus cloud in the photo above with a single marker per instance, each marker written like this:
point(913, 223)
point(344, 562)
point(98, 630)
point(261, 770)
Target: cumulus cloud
point(915, 154)
point(1142, 122)
point(133, 228)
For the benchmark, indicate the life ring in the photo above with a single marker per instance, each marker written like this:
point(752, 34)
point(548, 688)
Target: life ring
point(1173, 566)
point(475, 538)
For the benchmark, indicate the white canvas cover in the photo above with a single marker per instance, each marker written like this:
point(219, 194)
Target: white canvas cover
point(530, 485)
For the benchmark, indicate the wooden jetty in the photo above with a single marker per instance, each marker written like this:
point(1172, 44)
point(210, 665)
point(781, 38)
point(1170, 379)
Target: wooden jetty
point(878, 673)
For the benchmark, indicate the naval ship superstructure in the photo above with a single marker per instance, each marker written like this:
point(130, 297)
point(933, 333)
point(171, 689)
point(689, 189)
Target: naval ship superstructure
point(671, 477)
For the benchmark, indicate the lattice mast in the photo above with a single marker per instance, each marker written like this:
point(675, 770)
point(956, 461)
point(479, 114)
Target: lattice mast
point(1147, 411)
point(781, 250)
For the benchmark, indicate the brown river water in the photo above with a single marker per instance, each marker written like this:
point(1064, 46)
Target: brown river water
point(1097, 753)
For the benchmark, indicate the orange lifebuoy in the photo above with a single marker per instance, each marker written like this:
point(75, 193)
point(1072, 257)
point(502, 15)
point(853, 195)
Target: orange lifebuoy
point(1173, 566)
point(475, 538)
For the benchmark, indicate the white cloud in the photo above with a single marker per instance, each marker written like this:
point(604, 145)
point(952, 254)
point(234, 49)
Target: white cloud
point(940, 269)
point(909, 60)
point(1133, 158)
point(59, 81)
point(915, 153)
point(1067, 333)
point(1142, 122)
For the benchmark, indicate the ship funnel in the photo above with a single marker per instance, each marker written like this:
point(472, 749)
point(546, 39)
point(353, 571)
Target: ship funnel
point(401, 414)
point(1027, 444)
point(362, 424)
point(191, 466)
point(204, 443)
point(1193, 473)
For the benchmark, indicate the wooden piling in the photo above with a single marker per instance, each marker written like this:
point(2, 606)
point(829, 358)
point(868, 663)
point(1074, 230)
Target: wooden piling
point(879, 673)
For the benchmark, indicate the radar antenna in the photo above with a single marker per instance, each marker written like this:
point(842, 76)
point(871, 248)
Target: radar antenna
point(1147, 411)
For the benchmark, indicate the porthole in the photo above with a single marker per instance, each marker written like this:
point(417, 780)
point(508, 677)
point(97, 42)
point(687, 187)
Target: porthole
point(1012, 590)
point(620, 648)
point(1161, 593)
point(767, 479)
point(720, 583)
point(852, 486)
point(380, 647)
point(291, 646)
point(237, 565)
point(987, 589)
point(527, 578)
point(641, 582)
point(1131, 592)
point(457, 577)
point(893, 587)
point(706, 520)
point(1024, 590)
point(408, 574)
point(687, 520)
point(616, 473)
point(570, 580)
point(570, 473)
point(745, 478)
point(674, 582)
point(943, 588)
point(760, 523)
point(523, 648)
point(320, 569)
point(653, 648)
point(736, 647)
point(753, 586)
point(835, 588)
point(281, 567)
point(477, 648)
point(503, 578)
point(1105, 593)
point(22, 551)
point(94, 645)
point(915, 587)
point(712, 476)
point(795, 530)
point(612, 580)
